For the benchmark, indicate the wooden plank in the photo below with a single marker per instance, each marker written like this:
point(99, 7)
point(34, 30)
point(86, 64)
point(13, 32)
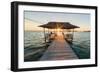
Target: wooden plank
point(59, 50)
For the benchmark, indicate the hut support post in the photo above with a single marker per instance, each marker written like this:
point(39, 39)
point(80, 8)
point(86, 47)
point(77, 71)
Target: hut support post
point(44, 36)
point(63, 32)
point(72, 35)
point(48, 35)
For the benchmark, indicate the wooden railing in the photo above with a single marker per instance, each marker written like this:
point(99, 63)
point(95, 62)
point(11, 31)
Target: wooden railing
point(68, 37)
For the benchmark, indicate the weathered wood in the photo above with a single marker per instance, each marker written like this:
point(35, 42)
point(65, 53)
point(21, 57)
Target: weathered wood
point(59, 50)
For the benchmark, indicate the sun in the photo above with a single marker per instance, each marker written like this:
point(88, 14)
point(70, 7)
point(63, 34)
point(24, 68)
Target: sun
point(59, 31)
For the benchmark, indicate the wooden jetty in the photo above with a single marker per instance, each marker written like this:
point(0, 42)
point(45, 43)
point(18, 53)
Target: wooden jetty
point(59, 49)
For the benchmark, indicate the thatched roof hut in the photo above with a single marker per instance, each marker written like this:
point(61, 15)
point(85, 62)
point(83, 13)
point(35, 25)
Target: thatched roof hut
point(61, 25)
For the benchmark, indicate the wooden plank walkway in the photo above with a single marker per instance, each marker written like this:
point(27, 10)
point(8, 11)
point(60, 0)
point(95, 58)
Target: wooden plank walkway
point(59, 50)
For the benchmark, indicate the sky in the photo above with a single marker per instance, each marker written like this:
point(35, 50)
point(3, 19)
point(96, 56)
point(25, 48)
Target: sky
point(34, 18)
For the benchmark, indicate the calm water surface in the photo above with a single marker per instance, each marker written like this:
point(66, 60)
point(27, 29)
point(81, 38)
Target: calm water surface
point(81, 42)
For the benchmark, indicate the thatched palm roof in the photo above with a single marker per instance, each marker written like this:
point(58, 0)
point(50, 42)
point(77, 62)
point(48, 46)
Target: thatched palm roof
point(62, 25)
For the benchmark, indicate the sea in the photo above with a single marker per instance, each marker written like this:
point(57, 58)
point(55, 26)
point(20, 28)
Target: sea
point(81, 42)
point(35, 39)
